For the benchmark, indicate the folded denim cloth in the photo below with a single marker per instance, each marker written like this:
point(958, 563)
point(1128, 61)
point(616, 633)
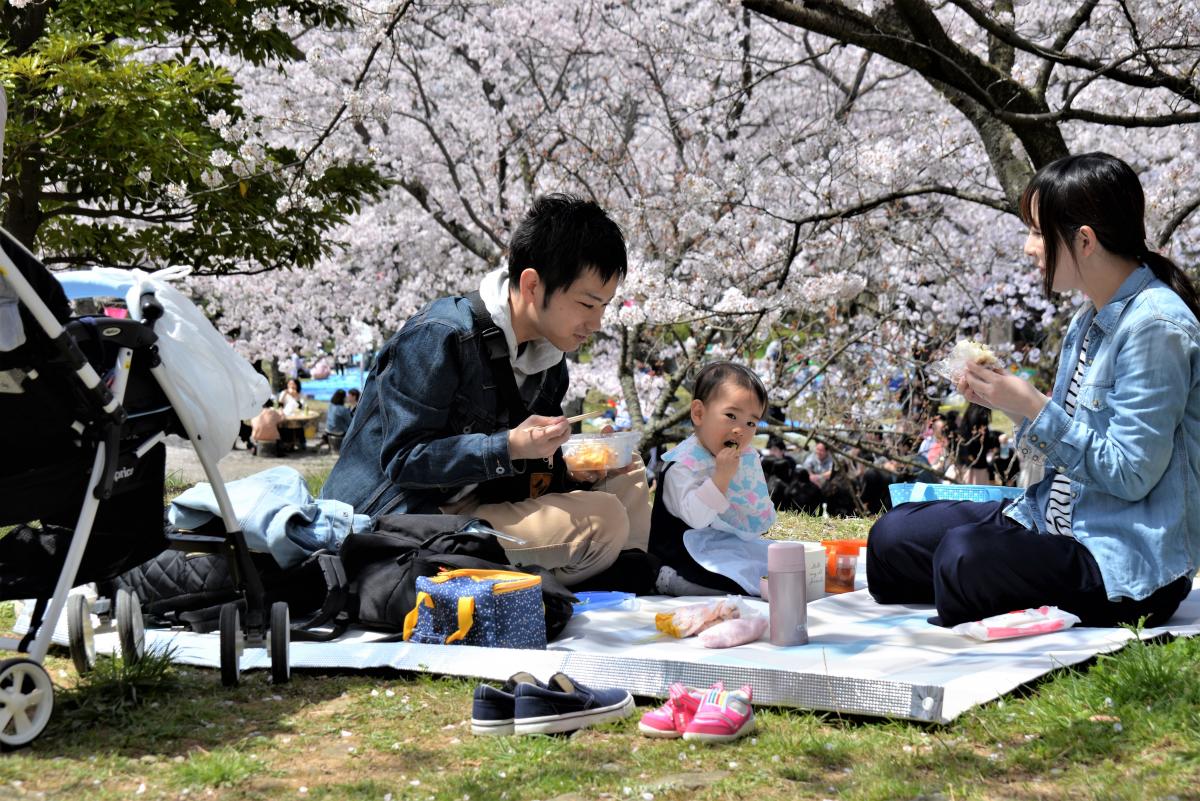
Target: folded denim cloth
point(277, 514)
point(492, 707)
point(565, 705)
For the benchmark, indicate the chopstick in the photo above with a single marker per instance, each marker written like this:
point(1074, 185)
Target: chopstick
point(585, 416)
point(578, 417)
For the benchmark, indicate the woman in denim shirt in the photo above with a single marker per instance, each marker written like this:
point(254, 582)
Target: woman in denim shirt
point(1112, 533)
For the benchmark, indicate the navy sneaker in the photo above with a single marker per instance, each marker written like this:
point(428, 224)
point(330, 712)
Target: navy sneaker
point(566, 705)
point(492, 709)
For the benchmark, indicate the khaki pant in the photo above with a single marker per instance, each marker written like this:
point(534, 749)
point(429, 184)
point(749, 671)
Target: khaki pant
point(574, 535)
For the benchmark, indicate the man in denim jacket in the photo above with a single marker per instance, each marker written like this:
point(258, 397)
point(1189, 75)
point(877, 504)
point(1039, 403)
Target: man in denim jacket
point(433, 431)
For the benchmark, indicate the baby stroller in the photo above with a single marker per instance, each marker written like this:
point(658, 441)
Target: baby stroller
point(86, 403)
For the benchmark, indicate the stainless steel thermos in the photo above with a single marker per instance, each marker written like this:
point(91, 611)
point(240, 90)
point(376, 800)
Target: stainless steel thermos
point(786, 581)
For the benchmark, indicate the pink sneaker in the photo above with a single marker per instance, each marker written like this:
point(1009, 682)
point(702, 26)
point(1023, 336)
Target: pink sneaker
point(722, 716)
point(672, 718)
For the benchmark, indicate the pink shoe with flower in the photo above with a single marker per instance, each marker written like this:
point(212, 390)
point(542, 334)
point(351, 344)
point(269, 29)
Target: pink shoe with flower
point(672, 718)
point(722, 716)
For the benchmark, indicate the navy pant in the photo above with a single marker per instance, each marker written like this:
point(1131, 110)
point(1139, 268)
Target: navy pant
point(971, 562)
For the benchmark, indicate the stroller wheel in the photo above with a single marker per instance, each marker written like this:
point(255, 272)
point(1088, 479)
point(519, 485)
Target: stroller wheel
point(81, 637)
point(26, 701)
point(130, 629)
point(280, 641)
point(231, 645)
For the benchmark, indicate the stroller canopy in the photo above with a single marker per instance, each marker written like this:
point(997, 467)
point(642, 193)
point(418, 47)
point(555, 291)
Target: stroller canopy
point(219, 387)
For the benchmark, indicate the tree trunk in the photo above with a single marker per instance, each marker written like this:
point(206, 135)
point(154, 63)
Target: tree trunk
point(23, 216)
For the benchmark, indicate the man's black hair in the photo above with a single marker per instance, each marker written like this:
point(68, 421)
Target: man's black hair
point(560, 237)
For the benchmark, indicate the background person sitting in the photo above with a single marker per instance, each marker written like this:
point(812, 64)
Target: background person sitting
point(337, 419)
point(290, 399)
point(264, 430)
point(819, 464)
point(352, 396)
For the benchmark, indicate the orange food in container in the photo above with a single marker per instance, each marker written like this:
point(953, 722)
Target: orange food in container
point(585, 452)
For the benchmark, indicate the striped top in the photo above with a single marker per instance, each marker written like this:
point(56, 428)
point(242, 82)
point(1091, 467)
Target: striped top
point(1059, 506)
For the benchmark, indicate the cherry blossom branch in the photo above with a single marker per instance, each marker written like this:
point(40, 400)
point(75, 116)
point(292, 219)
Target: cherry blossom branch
point(1177, 84)
point(357, 85)
point(1177, 220)
point(858, 209)
point(1073, 26)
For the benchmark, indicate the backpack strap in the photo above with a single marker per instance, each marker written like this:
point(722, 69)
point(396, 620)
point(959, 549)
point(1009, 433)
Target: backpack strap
point(545, 476)
point(334, 611)
point(498, 357)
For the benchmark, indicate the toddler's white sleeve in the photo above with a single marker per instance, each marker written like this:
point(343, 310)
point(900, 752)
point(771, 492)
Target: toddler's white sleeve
point(692, 496)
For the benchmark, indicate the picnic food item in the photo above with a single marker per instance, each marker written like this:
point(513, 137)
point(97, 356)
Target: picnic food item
point(978, 353)
point(695, 618)
point(592, 456)
point(967, 351)
point(608, 451)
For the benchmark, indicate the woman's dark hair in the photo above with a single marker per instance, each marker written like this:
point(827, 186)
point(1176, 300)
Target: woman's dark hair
point(338, 398)
point(1103, 192)
point(713, 375)
point(299, 386)
point(974, 418)
point(561, 236)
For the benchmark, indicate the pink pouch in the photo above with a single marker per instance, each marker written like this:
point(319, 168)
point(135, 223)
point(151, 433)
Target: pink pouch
point(1022, 623)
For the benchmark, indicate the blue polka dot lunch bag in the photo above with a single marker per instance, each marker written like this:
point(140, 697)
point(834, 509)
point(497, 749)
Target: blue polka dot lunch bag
point(492, 608)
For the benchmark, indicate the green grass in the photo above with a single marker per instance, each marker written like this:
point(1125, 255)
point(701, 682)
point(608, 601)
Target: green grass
point(1107, 732)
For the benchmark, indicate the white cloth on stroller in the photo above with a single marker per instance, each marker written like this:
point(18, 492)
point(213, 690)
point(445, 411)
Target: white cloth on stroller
point(219, 387)
point(12, 332)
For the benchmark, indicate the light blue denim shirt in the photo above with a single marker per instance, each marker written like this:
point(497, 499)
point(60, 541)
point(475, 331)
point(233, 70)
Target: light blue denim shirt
point(1132, 448)
point(277, 514)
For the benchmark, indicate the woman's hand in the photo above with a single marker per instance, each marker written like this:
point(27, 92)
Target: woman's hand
point(1010, 394)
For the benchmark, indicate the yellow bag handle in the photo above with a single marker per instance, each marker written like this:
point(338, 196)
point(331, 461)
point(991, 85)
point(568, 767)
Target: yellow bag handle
point(509, 580)
point(410, 620)
point(466, 618)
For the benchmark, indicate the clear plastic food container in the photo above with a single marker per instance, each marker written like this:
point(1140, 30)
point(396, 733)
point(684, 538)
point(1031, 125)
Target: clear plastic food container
point(600, 451)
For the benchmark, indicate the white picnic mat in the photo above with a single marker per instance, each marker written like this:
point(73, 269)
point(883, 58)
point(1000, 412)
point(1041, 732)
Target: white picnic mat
point(862, 658)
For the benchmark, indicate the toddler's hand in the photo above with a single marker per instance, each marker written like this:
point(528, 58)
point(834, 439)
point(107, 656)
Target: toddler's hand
point(727, 464)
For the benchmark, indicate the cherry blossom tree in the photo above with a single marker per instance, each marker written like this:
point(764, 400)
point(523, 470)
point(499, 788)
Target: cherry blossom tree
point(838, 177)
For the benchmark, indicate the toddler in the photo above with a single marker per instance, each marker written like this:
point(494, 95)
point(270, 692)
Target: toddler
point(712, 506)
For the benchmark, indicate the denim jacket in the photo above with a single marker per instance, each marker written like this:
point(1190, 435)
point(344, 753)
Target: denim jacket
point(1132, 447)
point(430, 421)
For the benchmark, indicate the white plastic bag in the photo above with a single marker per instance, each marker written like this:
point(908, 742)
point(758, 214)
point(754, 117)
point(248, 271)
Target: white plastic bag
point(954, 365)
point(692, 619)
point(1022, 623)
